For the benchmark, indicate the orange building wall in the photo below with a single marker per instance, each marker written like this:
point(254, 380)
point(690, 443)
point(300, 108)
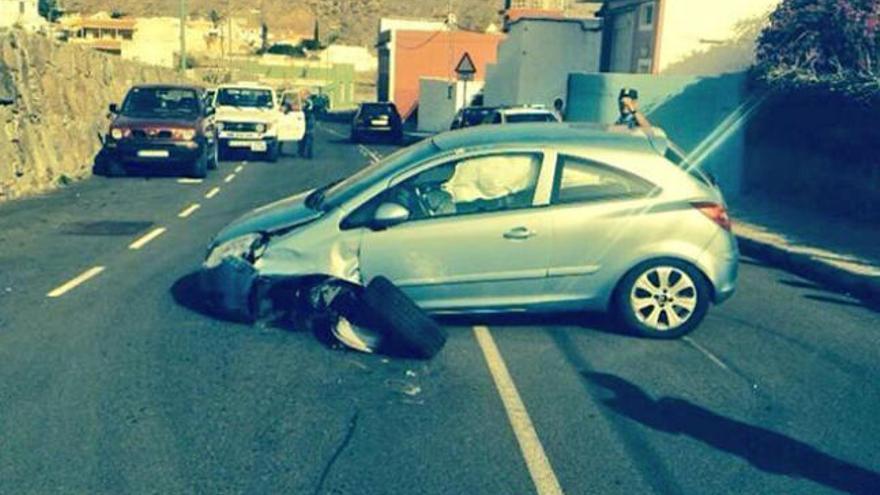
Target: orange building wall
point(420, 54)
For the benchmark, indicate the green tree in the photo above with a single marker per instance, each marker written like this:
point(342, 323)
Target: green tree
point(49, 9)
point(827, 44)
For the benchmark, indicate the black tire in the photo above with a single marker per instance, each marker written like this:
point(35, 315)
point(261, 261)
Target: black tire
point(199, 168)
point(698, 296)
point(273, 152)
point(114, 168)
point(408, 327)
point(355, 136)
point(214, 159)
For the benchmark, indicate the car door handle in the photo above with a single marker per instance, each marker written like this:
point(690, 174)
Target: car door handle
point(519, 234)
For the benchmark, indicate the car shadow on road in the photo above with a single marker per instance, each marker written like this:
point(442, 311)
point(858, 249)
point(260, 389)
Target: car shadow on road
point(764, 449)
point(186, 292)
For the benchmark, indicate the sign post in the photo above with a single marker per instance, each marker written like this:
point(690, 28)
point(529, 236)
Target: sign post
point(465, 70)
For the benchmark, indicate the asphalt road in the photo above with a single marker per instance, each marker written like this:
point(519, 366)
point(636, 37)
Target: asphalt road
point(115, 386)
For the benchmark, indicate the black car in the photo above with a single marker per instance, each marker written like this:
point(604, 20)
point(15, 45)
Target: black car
point(471, 116)
point(377, 120)
point(161, 126)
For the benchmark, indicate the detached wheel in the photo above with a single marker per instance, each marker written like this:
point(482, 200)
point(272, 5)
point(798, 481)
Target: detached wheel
point(662, 299)
point(407, 326)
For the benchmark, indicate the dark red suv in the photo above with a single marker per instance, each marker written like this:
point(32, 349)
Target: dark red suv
point(161, 125)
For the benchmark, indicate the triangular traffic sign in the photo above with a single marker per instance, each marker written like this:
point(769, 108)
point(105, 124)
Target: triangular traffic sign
point(466, 66)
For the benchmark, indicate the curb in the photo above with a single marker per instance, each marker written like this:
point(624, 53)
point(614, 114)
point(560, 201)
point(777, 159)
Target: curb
point(862, 286)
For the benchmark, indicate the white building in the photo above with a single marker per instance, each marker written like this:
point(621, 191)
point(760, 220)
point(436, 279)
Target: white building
point(23, 13)
point(691, 37)
point(358, 56)
point(440, 99)
point(536, 58)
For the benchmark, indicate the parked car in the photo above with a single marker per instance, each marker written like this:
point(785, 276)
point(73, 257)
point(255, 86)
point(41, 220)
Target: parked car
point(376, 120)
point(161, 125)
point(522, 115)
point(471, 116)
point(533, 217)
point(250, 118)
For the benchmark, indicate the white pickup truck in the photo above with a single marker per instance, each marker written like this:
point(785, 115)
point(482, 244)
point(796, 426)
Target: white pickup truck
point(250, 117)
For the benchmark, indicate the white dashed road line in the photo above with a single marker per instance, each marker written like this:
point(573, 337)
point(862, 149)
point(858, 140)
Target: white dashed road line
point(706, 352)
point(213, 192)
point(189, 210)
point(76, 282)
point(143, 241)
point(229, 178)
point(189, 181)
point(372, 155)
point(539, 466)
point(239, 168)
point(333, 132)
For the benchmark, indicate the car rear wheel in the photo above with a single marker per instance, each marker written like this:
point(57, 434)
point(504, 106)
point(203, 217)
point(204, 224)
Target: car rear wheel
point(662, 299)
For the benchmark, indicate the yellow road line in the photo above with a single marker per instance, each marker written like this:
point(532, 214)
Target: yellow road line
point(212, 193)
point(143, 241)
point(529, 444)
point(189, 210)
point(76, 282)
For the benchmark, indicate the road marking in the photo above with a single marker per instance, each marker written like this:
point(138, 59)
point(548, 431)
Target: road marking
point(372, 155)
point(239, 168)
point(189, 210)
point(229, 178)
point(213, 192)
point(79, 280)
point(333, 132)
point(189, 181)
point(143, 241)
point(706, 352)
point(529, 444)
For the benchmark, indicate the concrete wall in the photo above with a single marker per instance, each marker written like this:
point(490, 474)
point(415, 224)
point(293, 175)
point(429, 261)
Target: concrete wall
point(11, 14)
point(688, 108)
point(536, 58)
point(440, 99)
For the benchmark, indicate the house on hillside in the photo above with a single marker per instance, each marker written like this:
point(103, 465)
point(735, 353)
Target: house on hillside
point(22, 13)
point(691, 37)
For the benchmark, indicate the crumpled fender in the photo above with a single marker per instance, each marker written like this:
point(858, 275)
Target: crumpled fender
point(300, 257)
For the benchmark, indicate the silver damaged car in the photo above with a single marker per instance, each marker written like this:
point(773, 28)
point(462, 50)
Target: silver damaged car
point(532, 217)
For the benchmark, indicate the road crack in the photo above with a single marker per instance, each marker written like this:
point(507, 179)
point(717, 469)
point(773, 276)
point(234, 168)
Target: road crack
point(349, 433)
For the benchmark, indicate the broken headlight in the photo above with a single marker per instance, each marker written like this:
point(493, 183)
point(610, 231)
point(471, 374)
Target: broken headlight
point(248, 247)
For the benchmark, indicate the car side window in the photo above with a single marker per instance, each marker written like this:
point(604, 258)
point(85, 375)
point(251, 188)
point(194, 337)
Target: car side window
point(483, 184)
point(579, 180)
point(497, 119)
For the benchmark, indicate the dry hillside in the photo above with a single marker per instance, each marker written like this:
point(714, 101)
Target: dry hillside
point(351, 21)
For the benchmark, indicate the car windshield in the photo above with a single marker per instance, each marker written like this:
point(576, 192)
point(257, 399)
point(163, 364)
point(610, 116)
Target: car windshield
point(519, 118)
point(161, 103)
point(245, 98)
point(332, 196)
point(376, 110)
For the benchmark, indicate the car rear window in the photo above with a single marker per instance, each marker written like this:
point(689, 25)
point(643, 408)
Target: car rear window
point(376, 110)
point(161, 102)
point(475, 117)
point(518, 118)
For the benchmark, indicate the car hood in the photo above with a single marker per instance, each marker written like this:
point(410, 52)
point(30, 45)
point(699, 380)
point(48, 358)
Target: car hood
point(280, 215)
point(126, 121)
point(240, 114)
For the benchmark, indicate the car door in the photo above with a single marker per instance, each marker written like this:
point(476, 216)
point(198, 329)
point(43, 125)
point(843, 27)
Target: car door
point(475, 237)
point(291, 125)
point(599, 215)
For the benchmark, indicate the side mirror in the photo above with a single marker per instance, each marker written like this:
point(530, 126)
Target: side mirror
point(114, 108)
point(389, 214)
point(209, 110)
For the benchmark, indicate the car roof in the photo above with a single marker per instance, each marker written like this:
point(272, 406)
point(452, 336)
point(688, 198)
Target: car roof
point(563, 134)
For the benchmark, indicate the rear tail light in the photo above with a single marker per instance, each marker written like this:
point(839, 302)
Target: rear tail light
point(715, 212)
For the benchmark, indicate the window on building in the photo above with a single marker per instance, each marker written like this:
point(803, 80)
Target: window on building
point(646, 21)
point(584, 181)
point(21, 8)
point(645, 66)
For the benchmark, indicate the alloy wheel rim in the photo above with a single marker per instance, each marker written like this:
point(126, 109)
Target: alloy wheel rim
point(664, 298)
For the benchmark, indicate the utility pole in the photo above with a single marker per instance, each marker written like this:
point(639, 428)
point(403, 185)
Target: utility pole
point(182, 36)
